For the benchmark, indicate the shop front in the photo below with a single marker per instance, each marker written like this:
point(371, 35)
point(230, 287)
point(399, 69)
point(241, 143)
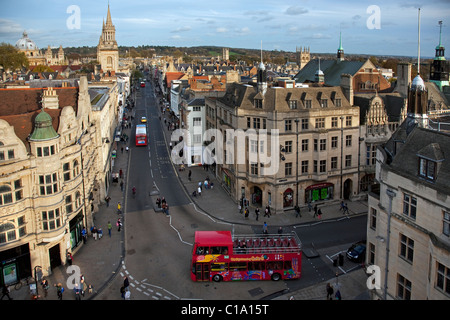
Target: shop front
point(15, 264)
point(319, 192)
point(76, 226)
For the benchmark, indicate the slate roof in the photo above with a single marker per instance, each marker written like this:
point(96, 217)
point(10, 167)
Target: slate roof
point(426, 143)
point(333, 69)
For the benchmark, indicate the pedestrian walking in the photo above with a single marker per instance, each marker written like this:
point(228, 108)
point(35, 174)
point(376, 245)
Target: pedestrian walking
point(76, 289)
point(109, 228)
point(265, 228)
point(309, 206)
point(280, 230)
point(94, 232)
point(126, 282)
point(69, 258)
point(119, 208)
point(59, 290)
point(120, 173)
point(297, 211)
point(45, 286)
point(5, 292)
point(121, 185)
point(257, 213)
point(199, 191)
point(246, 212)
point(127, 295)
point(189, 174)
point(167, 209)
point(330, 291)
point(345, 209)
point(315, 211)
point(107, 199)
point(158, 202)
point(84, 234)
point(267, 212)
point(118, 224)
point(319, 214)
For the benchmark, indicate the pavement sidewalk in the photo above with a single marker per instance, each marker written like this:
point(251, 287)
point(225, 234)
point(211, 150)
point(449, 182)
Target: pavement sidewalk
point(100, 260)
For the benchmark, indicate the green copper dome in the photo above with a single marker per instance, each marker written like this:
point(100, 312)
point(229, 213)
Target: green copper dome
point(43, 128)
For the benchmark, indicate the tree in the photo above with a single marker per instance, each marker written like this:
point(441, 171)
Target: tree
point(42, 68)
point(11, 58)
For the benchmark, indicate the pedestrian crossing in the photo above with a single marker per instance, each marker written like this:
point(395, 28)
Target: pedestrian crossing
point(147, 290)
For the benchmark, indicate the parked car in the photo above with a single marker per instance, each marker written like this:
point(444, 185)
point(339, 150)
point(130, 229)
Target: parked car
point(357, 252)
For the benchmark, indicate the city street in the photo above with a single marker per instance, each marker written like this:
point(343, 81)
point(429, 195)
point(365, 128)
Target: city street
point(158, 246)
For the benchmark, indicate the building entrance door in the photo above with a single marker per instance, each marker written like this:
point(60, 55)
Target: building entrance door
point(55, 256)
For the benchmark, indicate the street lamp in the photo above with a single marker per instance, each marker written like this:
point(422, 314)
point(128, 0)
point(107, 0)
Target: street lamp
point(296, 163)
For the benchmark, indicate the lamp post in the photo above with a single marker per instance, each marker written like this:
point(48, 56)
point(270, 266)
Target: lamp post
point(296, 163)
point(342, 156)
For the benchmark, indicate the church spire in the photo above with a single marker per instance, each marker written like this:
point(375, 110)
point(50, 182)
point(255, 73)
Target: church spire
point(340, 51)
point(108, 18)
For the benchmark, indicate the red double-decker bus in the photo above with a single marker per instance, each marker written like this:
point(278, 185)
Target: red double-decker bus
point(141, 135)
point(219, 256)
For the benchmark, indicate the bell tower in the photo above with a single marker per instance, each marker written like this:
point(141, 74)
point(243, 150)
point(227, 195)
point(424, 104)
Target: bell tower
point(439, 67)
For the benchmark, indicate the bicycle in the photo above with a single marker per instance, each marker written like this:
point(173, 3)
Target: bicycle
point(22, 282)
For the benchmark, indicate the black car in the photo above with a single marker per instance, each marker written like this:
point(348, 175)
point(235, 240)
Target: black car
point(357, 252)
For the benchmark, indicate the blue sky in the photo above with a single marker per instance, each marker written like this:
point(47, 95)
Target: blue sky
point(280, 25)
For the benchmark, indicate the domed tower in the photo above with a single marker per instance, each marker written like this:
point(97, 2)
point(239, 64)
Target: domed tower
point(261, 83)
point(29, 47)
point(43, 128)
point(418, 96)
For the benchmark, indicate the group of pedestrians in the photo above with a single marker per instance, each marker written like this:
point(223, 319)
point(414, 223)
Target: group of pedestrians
point(162, 204)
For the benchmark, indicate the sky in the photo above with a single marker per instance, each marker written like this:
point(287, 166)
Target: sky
point(374, 27)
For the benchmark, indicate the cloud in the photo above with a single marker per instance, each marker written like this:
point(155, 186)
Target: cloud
point(221, 30)
point(242, 31)
point(8, 27)
point(181, 29)
point(294, 11)
point(135, 20)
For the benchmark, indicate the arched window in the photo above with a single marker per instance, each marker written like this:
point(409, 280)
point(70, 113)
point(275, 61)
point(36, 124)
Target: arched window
point(5, 194)
point(78, 199)
point(7, 232)
point(76, 168)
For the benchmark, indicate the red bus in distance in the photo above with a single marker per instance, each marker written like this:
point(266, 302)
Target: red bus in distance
point(141, 135)
point(219, 256)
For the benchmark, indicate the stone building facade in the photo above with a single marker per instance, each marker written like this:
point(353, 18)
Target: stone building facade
point(50, 176)
point(408, 227)
point(312, 156)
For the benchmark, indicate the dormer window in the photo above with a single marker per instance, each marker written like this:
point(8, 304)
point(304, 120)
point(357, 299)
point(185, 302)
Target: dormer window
point(430, 159)
point(258, 103)
point(427, 169)
point(293, 104)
